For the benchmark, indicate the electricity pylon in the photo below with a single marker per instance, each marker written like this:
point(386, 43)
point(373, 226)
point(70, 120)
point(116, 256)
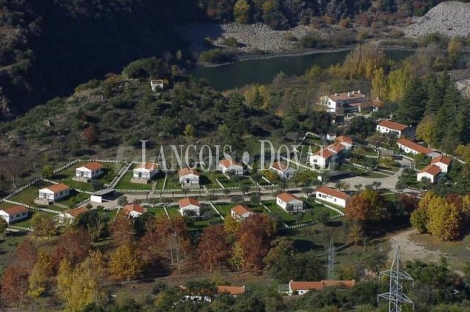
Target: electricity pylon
point(331, 261)
point(395, 295)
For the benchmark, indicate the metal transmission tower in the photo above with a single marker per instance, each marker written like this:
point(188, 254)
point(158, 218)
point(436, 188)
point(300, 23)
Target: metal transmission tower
point(395, 295)
point(331, 261)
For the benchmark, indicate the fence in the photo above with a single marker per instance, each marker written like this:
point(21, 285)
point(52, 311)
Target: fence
point(21, 188)
point(330, 207)
point(29, 206)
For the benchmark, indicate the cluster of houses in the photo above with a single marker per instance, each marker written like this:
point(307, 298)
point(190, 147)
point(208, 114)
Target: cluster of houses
point(324, 156)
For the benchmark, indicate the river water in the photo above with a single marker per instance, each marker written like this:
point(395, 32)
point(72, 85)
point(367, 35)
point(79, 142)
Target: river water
point(264, 70)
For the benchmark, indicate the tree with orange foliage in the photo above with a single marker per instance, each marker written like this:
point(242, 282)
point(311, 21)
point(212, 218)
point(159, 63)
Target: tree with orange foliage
point(27, 254)
point(213, 248)
point(74, 246)
point(14, 285)
point(364, 207)
point(122, 228)
point(255, 236)
point(407, 203)
point(90, 135)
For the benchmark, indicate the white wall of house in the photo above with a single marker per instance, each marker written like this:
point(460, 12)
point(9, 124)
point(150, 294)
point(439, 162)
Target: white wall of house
point(190, 208)
point(331, 199)
point(96, 199)
point(297, 205)
point(422, 175)
point(407, 150)
point(236, 169)
point(189, 179)
point(240, 217)
point(142, 173)
point(86, 173)
point(444, 167)
point(318, 161)
point(14, 217)
point(386, 130)
point(134, 214)
point(284, 174)
point(51, 196)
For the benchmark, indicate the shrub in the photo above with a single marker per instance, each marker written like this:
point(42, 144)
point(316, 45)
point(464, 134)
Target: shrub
point(92, 84)
point(363, 34)
point(216, 56)
point(290, 37)
point(230, 42)
point(310, 41)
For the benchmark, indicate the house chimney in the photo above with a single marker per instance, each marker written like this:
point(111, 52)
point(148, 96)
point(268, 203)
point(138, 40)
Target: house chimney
point(349, 94)
point(377, 98)
point(358, 91)
point(336, 94)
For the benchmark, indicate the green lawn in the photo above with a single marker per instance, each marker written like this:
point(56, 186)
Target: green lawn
point(374, 174)
point(330, 204)
point(126, 184)
point(225, 209)
point(172, 182)
point(65, 176)
point(173, 211)
point(74, 198)
point(232, 183)
point(208, 181)
point(159, 212)
point(27, 222)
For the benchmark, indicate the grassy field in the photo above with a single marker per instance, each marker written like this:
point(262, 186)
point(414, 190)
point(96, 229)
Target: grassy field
point(231, 183)
point(26, 223)
point(126, 184)
point(65, 176)
point(158, 212)
point(208, 181)
point(74, 198)
point(377, 175)
point(225, 209)
point(172, 182)
point(173, 211)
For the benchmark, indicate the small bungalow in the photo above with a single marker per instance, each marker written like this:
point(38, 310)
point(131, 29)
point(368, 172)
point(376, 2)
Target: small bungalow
point(332, 196)
point(70, 215)
point(188, 205)
point(393, 128)
point(289, 202)
point(285, 172)
point(430, 172)
point(321, 158)
point(230, 166)
point(188, 177)
point(241, 212)
point(301, 288)
point(145, 171)
point(231, 290)
point(89, 171)
point(157, 84)
point(134, 210)
point(54, 192)
point(442, 162)
point(411, 147)
point(14, 213)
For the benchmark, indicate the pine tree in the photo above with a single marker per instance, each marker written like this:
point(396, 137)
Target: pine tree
point(435, 95)
point(447, 130)
point(411, 108)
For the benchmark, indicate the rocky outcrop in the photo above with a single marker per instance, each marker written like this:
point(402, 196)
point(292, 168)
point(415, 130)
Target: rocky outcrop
point(451, 19)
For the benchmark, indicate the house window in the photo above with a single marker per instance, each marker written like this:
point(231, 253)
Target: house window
point(18, 215)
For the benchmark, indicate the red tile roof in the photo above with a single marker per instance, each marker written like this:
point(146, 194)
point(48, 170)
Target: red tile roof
point(227, 163)
point(431, 169)
point(414, 146)
point(305, 285)
point(134, 207)
point(442, 159)
point(15, 209)
point(77, 211)
point(336, 148)
point(287, 197)
point(332, 192)
point(188, 201)
point(56, 188)
point(148, 166)
point(392, 125)
point(344, 139)
point(325, 153)
point(186, 171)
point(93, 166)
point(241, 210)
point(233, 290)
point(347, 95)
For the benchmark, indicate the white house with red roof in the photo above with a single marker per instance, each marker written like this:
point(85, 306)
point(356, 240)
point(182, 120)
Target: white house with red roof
point(393, 128)
point(134, 210)
point(72, 214)
point(343, 102)
point(54, 192)
point(230, 166)
point(442, 162)
point(301, 288)
point(89, 171)
point(14, 213)
point(145, 171)
point(241, 212)
point(289, 202)
point(430, 172)
point(284, 171)
point(188, 177)
point(189, 205)
point(332, 196)
point(322, 158)
point(411, 147)
point(346, 141)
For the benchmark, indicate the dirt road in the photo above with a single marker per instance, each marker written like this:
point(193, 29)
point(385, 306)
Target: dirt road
point(410, 250)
